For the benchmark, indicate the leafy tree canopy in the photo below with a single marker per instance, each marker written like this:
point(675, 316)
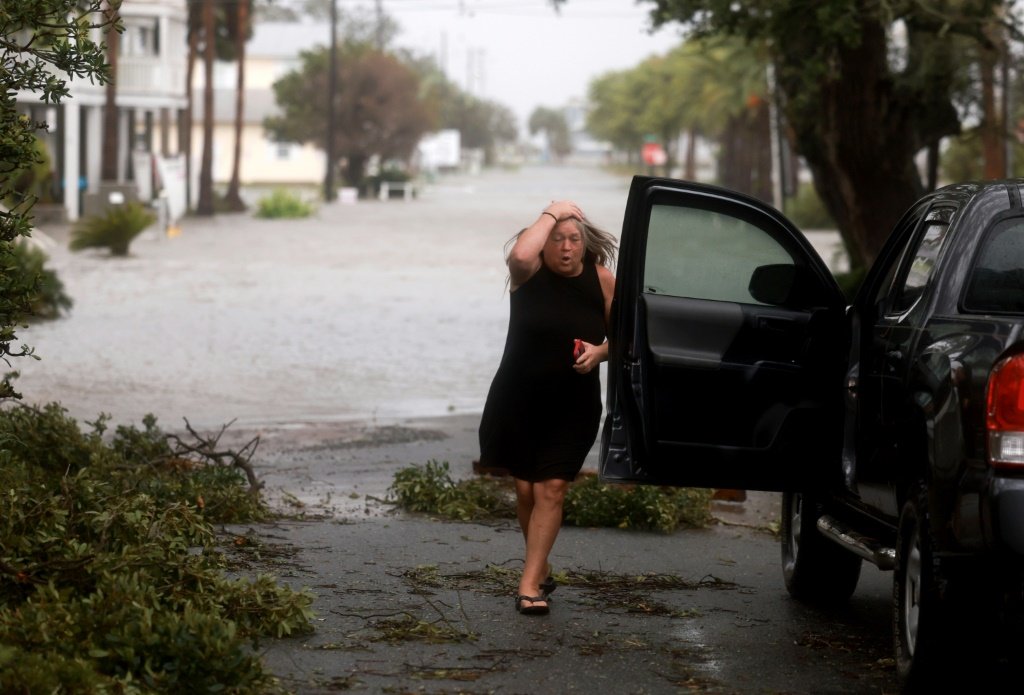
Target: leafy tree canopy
point(864, 86)
point(481, 123)
point(378, 108)
point(44, 44)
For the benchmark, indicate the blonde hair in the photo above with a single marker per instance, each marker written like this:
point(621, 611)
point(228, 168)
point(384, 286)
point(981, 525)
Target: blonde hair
point(601, 246)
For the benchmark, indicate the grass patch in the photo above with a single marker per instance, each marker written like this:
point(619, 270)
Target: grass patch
point(431, 489)
point(110, 580)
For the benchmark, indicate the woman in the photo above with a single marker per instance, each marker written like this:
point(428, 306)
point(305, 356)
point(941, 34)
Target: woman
point(544, 405)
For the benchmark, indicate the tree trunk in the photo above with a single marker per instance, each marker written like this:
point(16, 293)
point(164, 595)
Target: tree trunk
point(991, 126)
point(355, 168)
point(761, 145)
point(859, 133)
point(109, 153)
point(206, 205)
point(690, 165)
point(233, 197)
point(185, 137)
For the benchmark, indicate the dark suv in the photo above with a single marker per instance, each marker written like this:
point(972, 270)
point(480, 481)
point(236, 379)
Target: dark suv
point(894, 426)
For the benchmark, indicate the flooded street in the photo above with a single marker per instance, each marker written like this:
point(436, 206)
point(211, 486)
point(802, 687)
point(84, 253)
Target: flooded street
point(372, 311)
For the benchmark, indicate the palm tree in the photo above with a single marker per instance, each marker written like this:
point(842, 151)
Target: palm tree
point(233, 198)
point(205, 205)
point(108, 162)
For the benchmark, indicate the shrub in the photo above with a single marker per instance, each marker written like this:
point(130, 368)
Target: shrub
point(114, 230)
point(282, 203)
point(430, 489)
point(109, 578)
point(48, 298)
point(648, 507)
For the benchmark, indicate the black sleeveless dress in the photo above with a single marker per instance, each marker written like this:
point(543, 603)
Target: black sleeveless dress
point(541, 417)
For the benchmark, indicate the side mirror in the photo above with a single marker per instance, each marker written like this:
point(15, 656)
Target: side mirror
point(773, 284)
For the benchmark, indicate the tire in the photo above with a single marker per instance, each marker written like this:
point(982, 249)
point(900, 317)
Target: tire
point(815, 569)
point(923, 623)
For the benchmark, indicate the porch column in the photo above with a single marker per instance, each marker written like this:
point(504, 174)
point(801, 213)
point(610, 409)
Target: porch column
point(165, 132)
point(94, 147)
point(72, 124)
point(123, 147)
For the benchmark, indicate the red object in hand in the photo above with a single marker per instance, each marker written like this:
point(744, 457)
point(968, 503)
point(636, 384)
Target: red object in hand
point(577, 348)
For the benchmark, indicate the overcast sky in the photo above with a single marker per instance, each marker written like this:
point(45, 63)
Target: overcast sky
point(522, 53)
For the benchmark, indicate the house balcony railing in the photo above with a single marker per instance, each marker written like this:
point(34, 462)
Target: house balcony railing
point(148, 77)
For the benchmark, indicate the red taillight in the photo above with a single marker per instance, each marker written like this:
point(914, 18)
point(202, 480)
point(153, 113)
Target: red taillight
point(1004, 412)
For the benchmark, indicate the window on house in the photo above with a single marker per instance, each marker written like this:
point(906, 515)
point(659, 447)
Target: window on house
point(141, 37)
point(281, 151)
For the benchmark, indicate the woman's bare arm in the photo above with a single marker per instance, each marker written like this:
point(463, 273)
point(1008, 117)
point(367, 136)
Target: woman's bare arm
point(524, 258)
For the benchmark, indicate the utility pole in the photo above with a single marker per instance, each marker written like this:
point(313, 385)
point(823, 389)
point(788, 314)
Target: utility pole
point(380, 25)
point(332, 86)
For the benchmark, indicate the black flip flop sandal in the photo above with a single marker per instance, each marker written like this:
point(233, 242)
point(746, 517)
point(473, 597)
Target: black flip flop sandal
point(534, 609)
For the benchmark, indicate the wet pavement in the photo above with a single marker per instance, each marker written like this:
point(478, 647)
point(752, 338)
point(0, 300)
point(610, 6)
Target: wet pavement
point(363, 340)
point(407, 604)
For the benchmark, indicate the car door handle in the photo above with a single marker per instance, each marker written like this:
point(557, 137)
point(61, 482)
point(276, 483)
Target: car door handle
point(772, 323)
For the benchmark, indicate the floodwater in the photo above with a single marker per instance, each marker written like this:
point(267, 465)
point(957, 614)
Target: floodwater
point(372, 311)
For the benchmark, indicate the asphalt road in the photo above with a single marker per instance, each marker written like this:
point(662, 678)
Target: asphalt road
point(409, 604)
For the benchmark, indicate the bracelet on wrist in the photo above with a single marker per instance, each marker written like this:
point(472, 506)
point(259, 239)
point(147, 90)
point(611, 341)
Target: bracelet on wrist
point(551, 215)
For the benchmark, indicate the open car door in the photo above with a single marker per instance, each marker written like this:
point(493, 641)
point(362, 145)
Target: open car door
point(728, 346)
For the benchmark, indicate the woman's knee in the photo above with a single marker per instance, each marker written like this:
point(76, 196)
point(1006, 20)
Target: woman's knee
point(551, 491)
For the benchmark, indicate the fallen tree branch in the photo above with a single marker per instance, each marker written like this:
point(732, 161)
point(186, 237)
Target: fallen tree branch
point(206, 448)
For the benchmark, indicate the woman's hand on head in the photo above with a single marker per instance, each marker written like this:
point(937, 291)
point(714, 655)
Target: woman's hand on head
point(563, 210)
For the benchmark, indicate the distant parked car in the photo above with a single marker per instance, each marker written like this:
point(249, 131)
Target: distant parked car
point(894, 426)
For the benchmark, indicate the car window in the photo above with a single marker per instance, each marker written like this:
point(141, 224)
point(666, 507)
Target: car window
point(996, 282)
point(922, 264)
point(702, 254)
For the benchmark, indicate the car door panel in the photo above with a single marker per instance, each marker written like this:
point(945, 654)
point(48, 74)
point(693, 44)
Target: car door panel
point(717, 377)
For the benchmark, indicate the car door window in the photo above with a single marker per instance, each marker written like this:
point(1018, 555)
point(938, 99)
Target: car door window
point(703, 254)
point(918, 271)
point(997, 280)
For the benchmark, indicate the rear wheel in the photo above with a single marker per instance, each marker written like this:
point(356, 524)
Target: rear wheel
point(815, 569)
point(922, 620)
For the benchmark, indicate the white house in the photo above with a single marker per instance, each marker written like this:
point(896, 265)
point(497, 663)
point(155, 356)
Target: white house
point(271, 53)
point(151, 97)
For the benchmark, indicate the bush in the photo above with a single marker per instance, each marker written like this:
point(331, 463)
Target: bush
point(109, 578)
point(48, 298)
point(114, 230)
point(430, 489)
point(282, 203)
point(647, 507)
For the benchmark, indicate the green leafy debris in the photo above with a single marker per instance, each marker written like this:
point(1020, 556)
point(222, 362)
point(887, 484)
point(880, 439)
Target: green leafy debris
point(109, 577)
point(431, 489)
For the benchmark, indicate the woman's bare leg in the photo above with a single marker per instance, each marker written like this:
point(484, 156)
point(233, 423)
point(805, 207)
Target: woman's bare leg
point(524, 504)
point(542, 529)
